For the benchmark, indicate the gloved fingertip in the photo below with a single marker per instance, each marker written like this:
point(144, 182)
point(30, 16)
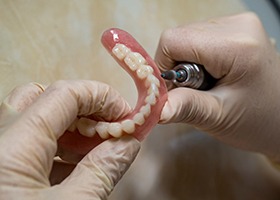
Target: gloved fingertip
point(104, 166)
point(114, 156)
point(164, 116)
point(130, 141)
point(7, 108)
point(7, 114)
point(23, 96)
point(169, 112)
point(124, 152)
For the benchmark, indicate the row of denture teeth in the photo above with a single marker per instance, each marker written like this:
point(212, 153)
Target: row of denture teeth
point(136, 63)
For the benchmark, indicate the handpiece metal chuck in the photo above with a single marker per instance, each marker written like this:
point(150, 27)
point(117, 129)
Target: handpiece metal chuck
point(190, 75)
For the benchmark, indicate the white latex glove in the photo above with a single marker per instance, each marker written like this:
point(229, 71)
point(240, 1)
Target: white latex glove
point(31, 121)
point(243, 108)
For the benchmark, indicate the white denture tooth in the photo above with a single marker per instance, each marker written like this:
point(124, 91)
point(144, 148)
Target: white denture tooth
point(86, 127)
point(153, 89)
point(146, 110)
point(120, 51)
point(73, 126)
point(152, 79)
point(134, 60)
point(139, 58)
point(139, 119)
point(115, 129)
point(144, 70)
point(132, 65)
point(102, 129)
point(151, 99)
point(128, 126)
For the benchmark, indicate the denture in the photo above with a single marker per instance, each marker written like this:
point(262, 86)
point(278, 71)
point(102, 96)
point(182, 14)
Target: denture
point(152, 95)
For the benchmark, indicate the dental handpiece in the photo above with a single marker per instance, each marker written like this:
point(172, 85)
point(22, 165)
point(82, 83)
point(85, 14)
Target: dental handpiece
point(190, 75)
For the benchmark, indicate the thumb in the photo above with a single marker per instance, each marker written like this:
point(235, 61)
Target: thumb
point(101, 169)
point(199, 108)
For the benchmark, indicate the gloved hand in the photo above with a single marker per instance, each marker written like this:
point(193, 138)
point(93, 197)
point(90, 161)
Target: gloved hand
point(31, 121)
point(243, 108)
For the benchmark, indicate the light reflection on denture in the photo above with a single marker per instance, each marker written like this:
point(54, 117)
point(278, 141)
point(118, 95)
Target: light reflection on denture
point(136, 62)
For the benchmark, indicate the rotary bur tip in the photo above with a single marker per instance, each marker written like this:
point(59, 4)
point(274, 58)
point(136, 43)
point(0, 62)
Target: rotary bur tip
point(169, 75)
point(190, 75)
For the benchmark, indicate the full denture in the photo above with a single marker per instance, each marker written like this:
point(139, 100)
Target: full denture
point(152, 95)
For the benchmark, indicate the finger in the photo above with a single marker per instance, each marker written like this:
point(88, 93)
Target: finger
point(208, 43)
point(98, 173)
point(23, 96)
point(190, 106)
point(190, 44)
point(18, 100)
point(61, 102)
point(36, 131)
